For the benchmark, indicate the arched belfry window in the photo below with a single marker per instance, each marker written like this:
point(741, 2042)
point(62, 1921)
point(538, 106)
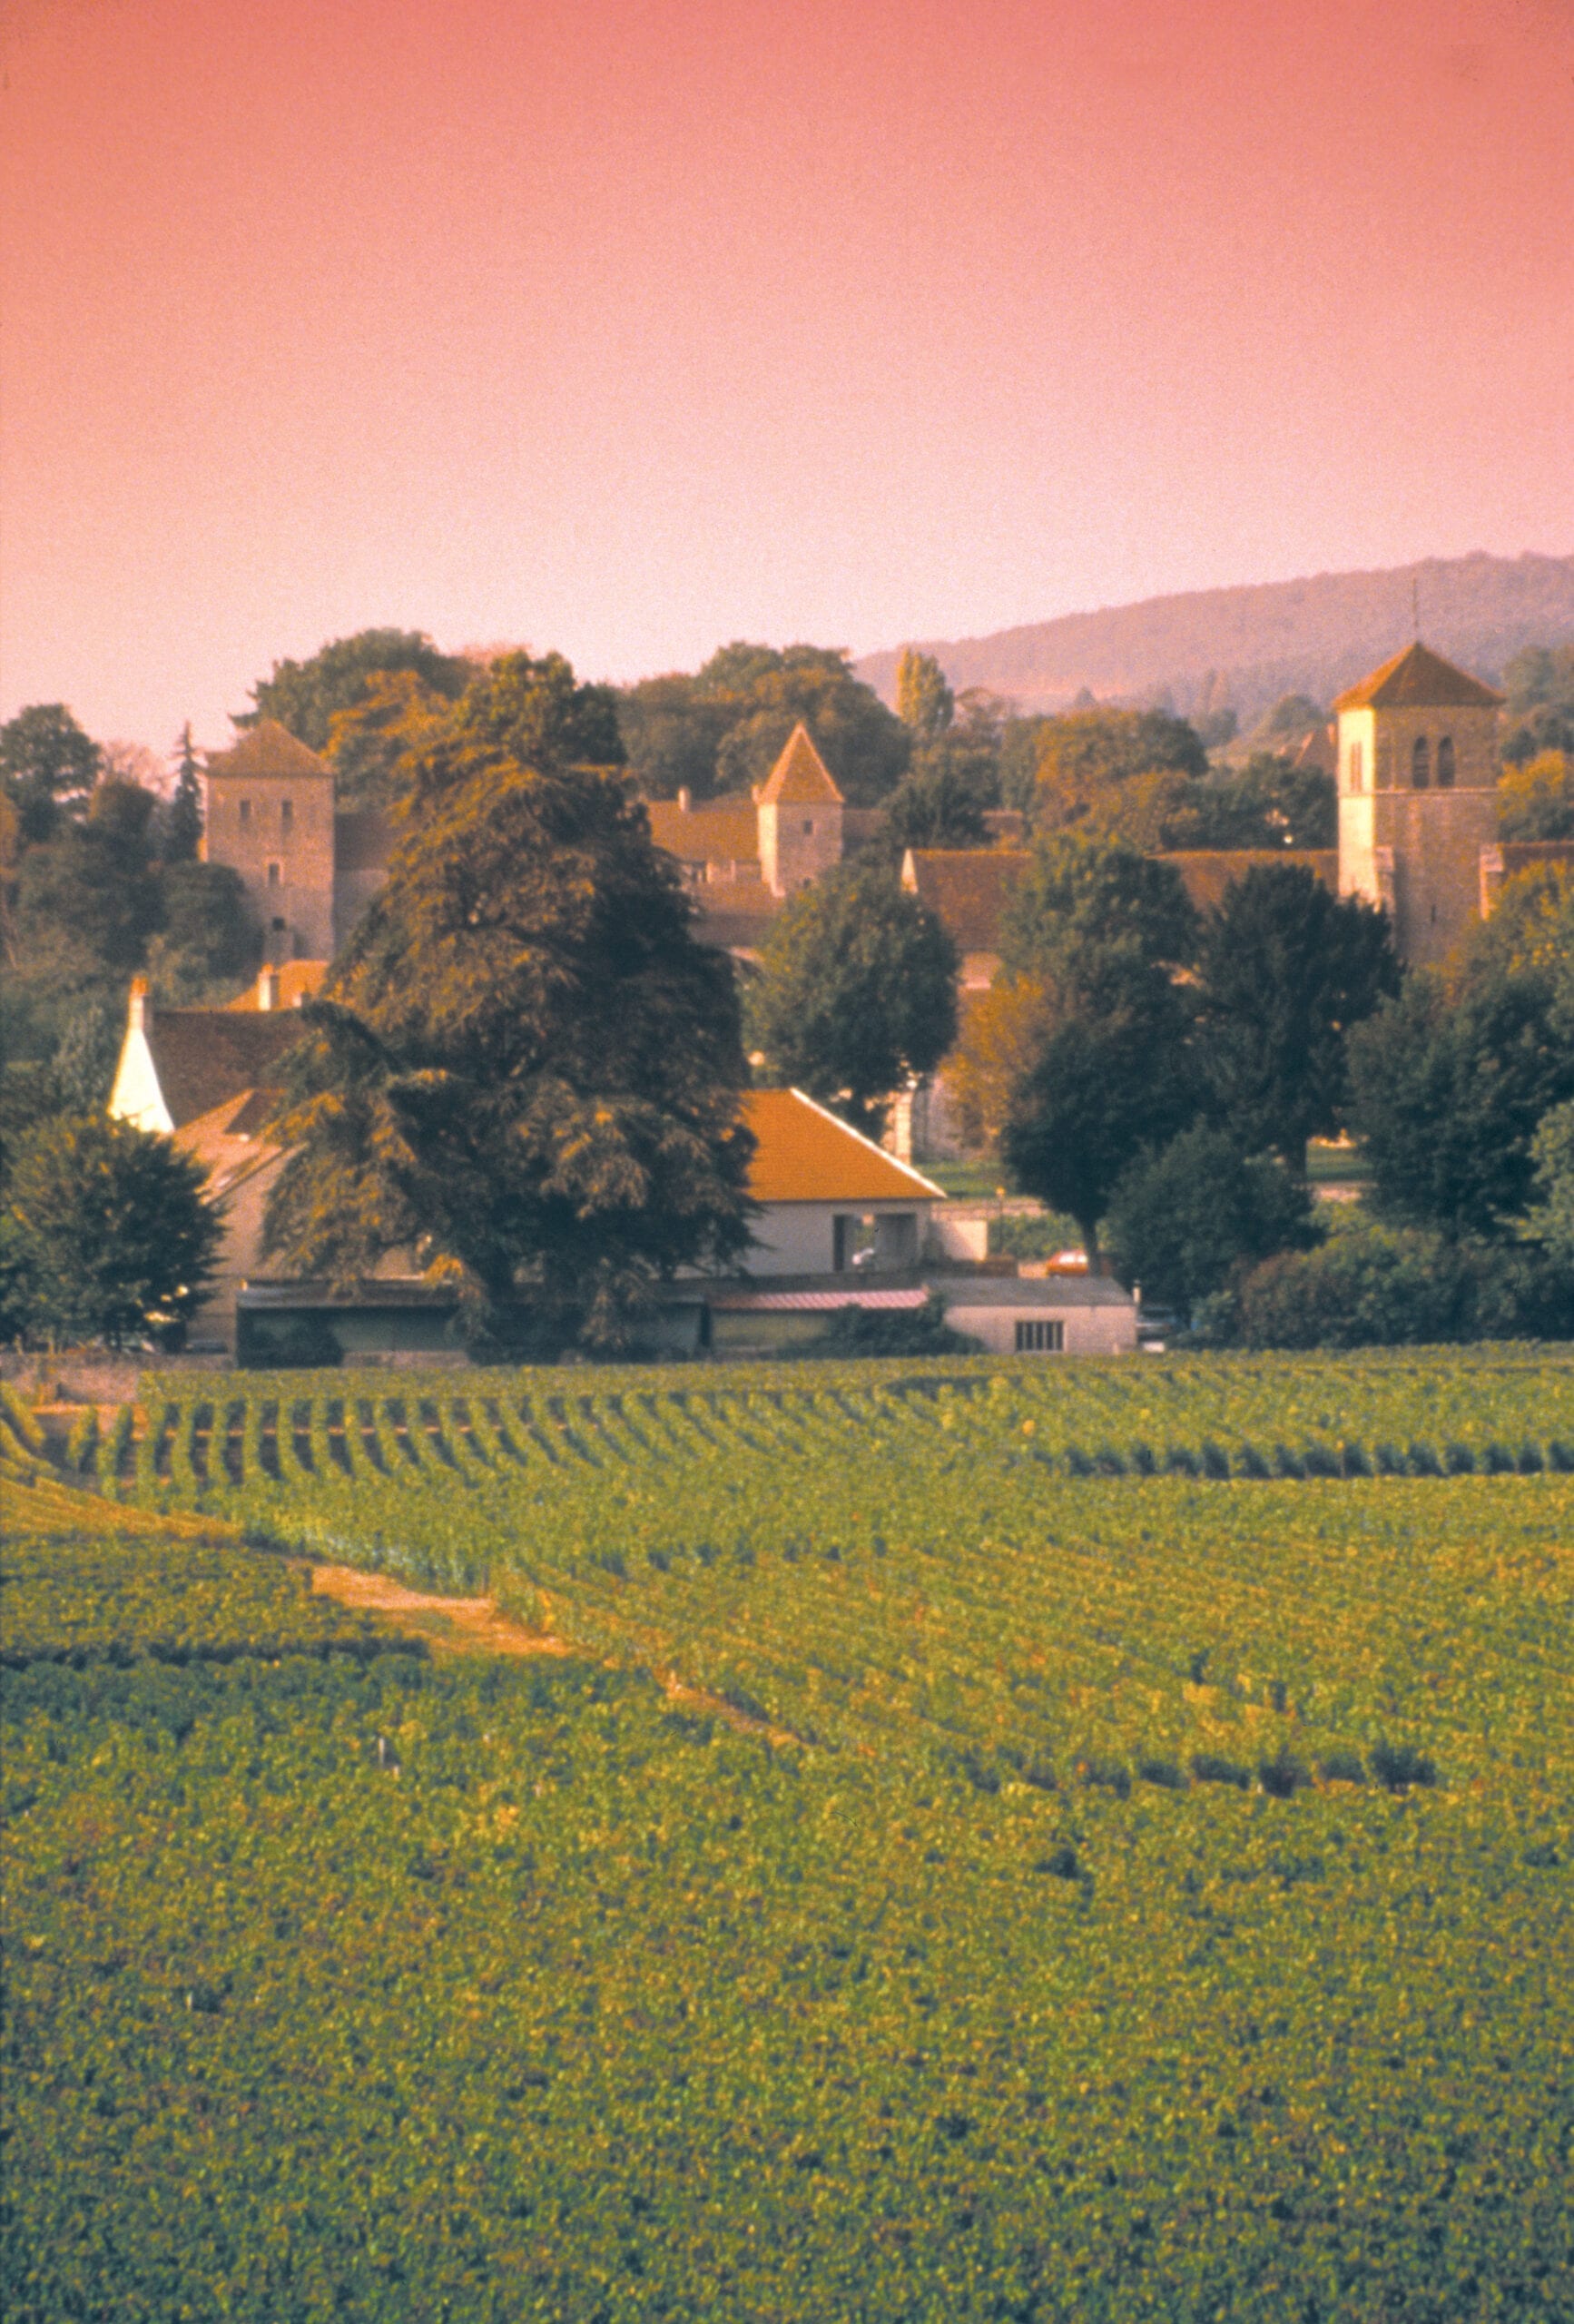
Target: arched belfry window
point(1445, 763)
point(1421, 763)
point(1355, 766)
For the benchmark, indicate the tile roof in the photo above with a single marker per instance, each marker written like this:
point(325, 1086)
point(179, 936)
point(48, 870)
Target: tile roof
point(1206, 872)
point(268, 749)
point(1040, 1290)
point(296, 980)
point(800, 776)
point(205, 1056)
point(804, 1154)
point(225, 1141)
point(966, 889)
point(725, 832)
point(735, 1299)
point(1419, 679)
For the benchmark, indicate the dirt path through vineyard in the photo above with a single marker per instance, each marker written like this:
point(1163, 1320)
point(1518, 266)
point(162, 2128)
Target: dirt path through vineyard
point(475, 1625)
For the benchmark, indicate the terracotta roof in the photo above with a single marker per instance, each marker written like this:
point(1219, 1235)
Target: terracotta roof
point(1419, 679)
point(800, 775)
point(1206, 872)
point(804, 1154)
point(266, 749)
point(296, 980)
point(727, 833)
point(225, 1141)
point(966, 890)
point(205, 1056)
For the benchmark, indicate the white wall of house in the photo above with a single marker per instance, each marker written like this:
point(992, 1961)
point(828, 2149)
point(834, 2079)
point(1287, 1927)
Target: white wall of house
point(800, 1237)
point(1086, 1331)
point(136, 1096)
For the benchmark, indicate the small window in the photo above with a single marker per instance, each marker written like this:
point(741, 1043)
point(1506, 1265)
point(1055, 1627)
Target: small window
point(286, 813)
point(275, 875)
point(1355, 766)
point(1421, 763)
point(245, 810)
point(1041, 1339)
point(277, 926)
point(809, 828)
point(1445, 763)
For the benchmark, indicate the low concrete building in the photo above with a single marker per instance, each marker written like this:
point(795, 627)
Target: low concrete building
point(1055, 1315)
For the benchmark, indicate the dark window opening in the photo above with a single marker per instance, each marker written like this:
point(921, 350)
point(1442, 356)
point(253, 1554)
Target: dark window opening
point(277, 926)
point(1445, 763)
point(286, 813)
point(245, 810)
point(274, 876)
point(1421, 763)
point(1041, 1339)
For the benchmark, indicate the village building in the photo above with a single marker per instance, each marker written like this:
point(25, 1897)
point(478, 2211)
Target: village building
point(308, 868)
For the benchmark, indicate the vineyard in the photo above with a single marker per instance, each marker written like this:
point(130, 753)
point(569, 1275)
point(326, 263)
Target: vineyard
point(1006, 1843)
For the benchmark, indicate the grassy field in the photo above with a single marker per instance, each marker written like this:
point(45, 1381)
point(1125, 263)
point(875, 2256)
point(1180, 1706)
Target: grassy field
point(1003, 1843)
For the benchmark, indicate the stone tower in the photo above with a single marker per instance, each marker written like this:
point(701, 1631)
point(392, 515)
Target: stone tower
point(800, 814)
point(271, 818)
point(1418, 773)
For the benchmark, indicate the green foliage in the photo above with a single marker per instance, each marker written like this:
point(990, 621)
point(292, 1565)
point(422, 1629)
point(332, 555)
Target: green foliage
point(1089, 909)
point(112, 1236)
point(1551, 1217)
point(724, 729)
point(1371, 1285)
point(1169, 1883)
point(1267, 802)
point(1536, 797)
point(1539, 684)
point(182, 820)
point(305, 696)
point(48, 766)
point(1293, 716)
point(1449, 1082)
point(857, 991)
point(1086, 754)
point(854, 1331)
point(1184, 1221)
point(523, 1063)
point(1284, 971)
point(923, 699)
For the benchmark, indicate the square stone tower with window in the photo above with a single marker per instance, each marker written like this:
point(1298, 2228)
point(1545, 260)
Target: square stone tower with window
point(271, 818)
point(799, 811)
point(1418, 774)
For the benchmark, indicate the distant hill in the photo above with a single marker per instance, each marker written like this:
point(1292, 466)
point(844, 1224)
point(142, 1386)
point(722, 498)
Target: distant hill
point(1246, 648)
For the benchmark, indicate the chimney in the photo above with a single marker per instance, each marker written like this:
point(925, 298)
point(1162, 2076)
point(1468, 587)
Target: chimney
point(685, 800)
point(267, 989)
point(140, 1015)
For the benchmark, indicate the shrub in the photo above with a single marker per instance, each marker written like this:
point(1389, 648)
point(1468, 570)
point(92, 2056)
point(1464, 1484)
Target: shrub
point(1182, 1221)
point(1371, 1285)
point(1398, 1766)
point(1207, 1766)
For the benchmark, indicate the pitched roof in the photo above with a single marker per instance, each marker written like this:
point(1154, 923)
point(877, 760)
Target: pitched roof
point(1419, 679)
point(804, 1154)
point(800, 776)
point(225, 1142)
point(726, 832)
point(1206, 872)
point(204, 1056)
point(269, 749)
point(966, 889)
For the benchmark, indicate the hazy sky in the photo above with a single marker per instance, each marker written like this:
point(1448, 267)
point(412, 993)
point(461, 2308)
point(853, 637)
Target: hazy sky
point(631, 326)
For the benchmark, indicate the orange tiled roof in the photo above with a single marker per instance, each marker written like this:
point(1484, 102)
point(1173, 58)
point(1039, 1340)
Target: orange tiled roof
point(1206, 872)
point(205, 1056)
point(966, 890)
point(800, 777)
point(268, 749)
point(1419, 679)
point(726, 832)
point(802, 1154)
point(296, 980)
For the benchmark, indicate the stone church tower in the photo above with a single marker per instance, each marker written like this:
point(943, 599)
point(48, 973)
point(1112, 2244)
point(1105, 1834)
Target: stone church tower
point(271, 818)
point(799, 811)
point(1418, 774)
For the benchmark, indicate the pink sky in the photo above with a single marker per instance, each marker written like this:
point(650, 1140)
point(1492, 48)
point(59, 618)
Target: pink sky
point(633, 327)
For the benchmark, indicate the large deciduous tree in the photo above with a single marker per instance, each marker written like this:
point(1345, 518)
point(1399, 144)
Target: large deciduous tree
point(107, 1235)
point(1086, 754)
point(48, 766)
point(857, 993)
point(1181, 1222)
point(305, 696)
point(1284, 971)
point(924, 701)
point(724, 728)
point(524, 1066)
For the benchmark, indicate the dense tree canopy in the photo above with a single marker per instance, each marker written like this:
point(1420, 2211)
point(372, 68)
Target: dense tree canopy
point(1087, 753)
point(524, 1066)
point(1539, 712)
point(723, 729)
point(1536, 797)
point(1452, 1081)
point(1087, 907)
point(106, 1233)
point(857, 992)
point(924, 701)
point(1183, 1221)
point(48, 766)
point(305, 696)
point(1284, 969)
